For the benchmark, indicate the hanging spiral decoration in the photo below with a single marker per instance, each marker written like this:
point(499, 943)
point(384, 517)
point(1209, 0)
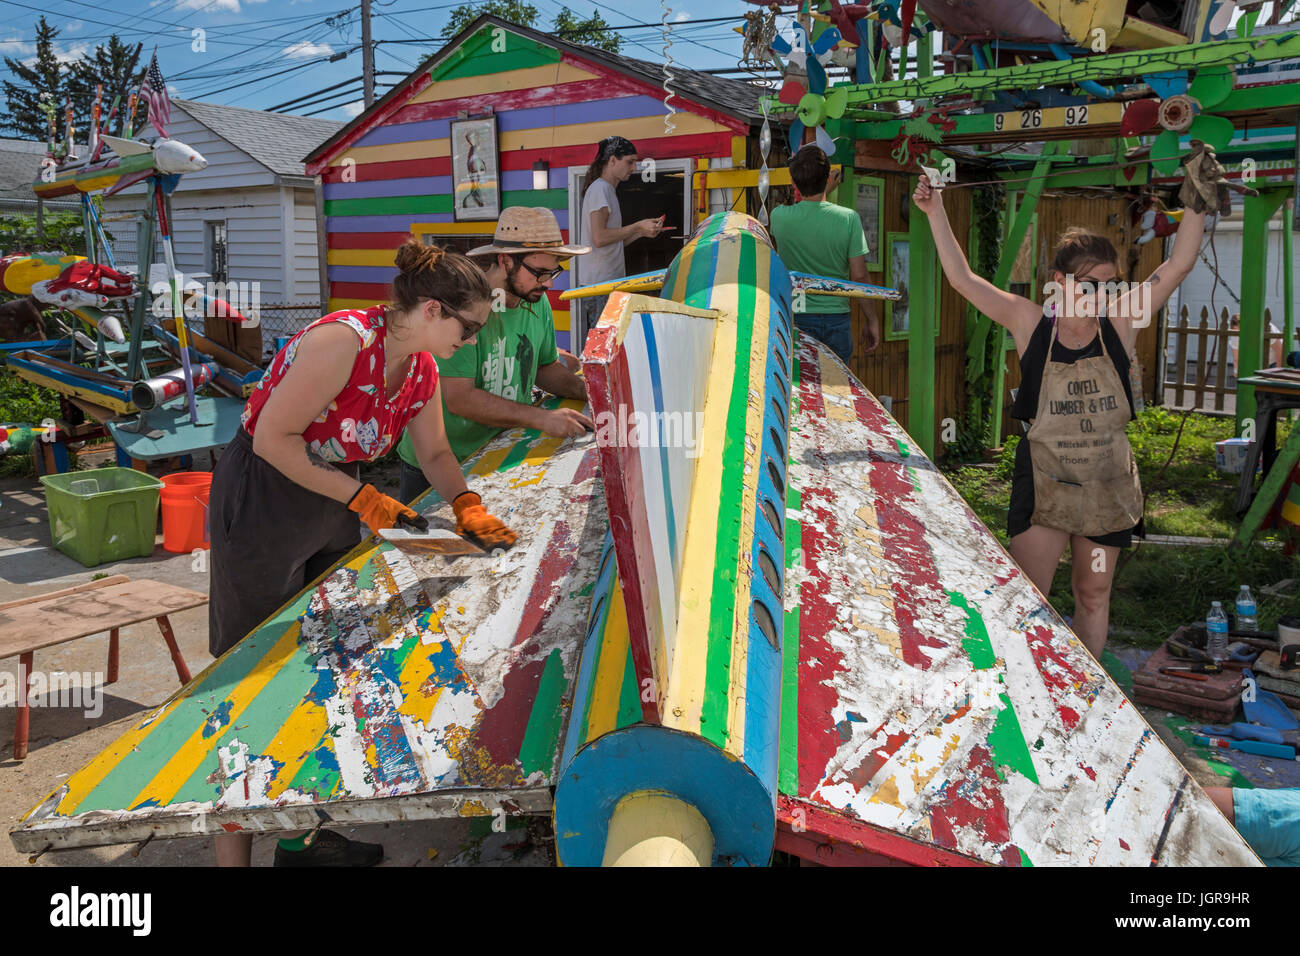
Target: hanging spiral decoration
point(669, 126)
point(764, 147)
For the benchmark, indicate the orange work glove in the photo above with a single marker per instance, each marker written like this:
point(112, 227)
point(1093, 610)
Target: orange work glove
point(473, 521)
point(377, 509)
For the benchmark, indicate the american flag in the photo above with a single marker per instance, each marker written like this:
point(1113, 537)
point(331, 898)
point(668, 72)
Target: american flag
point(154, 90)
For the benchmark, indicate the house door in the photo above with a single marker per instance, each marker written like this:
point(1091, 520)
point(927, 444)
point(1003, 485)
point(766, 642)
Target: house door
point(664, 193)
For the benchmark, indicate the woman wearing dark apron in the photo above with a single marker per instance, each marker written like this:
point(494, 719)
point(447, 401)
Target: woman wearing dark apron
point(1075, 481)
point(286, 501)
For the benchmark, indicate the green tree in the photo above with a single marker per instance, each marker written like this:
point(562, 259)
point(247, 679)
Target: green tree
point(117, 66)
point(514, 11)
point(25, 116)
point(593, 31)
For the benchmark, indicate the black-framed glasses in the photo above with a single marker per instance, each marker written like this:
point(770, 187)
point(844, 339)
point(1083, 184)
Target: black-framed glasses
point(542, 275)
point(468, 329)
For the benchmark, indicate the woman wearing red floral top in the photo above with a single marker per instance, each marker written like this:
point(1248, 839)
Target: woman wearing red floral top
point(286, 496)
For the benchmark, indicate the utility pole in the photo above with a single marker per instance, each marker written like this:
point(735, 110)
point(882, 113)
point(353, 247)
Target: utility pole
point(367, 55)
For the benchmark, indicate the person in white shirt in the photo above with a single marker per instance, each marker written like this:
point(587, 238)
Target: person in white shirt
point(602, 220)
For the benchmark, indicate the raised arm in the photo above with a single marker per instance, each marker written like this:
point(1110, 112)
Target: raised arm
point(1015, 312)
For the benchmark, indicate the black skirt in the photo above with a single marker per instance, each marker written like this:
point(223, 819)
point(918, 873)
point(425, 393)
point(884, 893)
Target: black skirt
point(270, 537)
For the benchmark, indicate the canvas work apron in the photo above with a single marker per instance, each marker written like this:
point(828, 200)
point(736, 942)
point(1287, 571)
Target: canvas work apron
point(1085, 476)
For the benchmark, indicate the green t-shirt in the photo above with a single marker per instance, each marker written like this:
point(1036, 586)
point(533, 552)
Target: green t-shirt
point(821, 238)
point(504, 361)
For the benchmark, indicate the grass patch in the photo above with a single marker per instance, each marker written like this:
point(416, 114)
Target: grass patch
point(22, 402)
point(1159, 587)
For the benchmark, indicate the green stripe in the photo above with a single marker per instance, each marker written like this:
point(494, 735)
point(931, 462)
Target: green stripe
point(549, 198)
point(537, 752)
point(788, 768)
point(713, 716)
point(599, 637)
point(388, 205)
point(120, 787)
point(481, 59)
point(976, 643)
point(1007, 743)
point(313, 777)
point(629, 695)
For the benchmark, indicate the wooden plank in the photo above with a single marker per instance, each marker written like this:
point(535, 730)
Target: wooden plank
point(76, 589)
point(1271, 487)
point(66, 617)
point(1180, 358)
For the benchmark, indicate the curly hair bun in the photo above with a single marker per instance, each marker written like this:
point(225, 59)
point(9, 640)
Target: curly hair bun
point(415, 256)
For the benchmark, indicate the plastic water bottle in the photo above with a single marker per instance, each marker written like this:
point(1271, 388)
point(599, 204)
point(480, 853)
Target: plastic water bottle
point(1216, 623)
point(1246, 614)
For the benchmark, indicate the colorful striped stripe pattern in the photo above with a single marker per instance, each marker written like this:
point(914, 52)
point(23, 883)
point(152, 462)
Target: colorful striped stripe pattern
point(647, 365)
point(931, 695)
point(389, 677)
point(396, 174)
point(717, 680)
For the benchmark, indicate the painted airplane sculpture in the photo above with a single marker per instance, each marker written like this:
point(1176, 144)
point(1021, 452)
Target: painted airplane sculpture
point(745, 615)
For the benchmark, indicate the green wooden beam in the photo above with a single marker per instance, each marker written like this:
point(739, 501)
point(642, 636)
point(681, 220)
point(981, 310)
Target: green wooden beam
point(1032, 76)
point(1271, 487)
point(1254, 256)
point(923, 320)
point(1288, 277)
point(1002, 278)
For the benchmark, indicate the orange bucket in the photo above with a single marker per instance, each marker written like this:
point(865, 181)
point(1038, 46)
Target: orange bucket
point(184, 505)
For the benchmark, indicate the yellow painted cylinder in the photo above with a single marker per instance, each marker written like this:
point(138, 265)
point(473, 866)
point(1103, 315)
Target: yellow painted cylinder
point(655, 829)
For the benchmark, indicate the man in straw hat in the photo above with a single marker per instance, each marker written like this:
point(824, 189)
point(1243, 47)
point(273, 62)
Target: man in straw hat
point(488, 386)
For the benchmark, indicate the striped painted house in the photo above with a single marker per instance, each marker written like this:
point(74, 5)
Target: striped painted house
point(388, 173)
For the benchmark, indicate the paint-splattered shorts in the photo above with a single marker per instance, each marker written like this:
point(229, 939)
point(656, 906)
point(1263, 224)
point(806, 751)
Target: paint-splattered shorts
point(270, 537)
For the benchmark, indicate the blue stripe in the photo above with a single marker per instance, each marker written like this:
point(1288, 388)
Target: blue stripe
point(604, 587)
point(657, 387)
point(362, 273)
point(403, 223)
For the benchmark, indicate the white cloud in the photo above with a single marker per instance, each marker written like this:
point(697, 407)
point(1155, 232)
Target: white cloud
point(304, 49)
point(209, 6)
point(681, 16)
point(72, 26)
point(353, 110)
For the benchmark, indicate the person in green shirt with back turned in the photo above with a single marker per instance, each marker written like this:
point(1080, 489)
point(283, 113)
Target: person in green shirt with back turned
point(825, 239)
point(488, 386)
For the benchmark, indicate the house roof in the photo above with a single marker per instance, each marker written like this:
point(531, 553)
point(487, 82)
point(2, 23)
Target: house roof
point(20, 163)
point(276, 140)
point(732, 97)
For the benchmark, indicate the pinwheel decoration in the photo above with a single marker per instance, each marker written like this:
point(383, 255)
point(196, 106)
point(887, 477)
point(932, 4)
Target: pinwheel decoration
point(813, 105)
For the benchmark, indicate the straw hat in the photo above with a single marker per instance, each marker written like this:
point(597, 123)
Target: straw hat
point(528, 229)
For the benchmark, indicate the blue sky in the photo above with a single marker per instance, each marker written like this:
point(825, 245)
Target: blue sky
point(250, 40)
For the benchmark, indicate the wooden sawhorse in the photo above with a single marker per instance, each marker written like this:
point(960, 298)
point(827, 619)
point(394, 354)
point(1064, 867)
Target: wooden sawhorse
point(109, 604)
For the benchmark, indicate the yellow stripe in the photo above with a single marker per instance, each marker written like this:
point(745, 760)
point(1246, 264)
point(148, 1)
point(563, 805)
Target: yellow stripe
point(602, 716)
point(294, 742)
point(92, 775)
point(551, 74)
point(836, 391)
point(454, 228)
point(545, 137)
point(338, 305)
point(63, 388)
point(162, 788)
point(1290, 511)
point(758, 352)
point(361, 257)
point(738, 150)
point(684, 697)
point(561, 320)
point(491, 461)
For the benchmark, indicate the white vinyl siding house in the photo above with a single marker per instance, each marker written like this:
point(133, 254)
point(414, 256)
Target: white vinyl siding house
point(254, 185)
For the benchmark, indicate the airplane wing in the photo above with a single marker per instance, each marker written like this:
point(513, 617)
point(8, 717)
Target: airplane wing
point(824, 285)
point(642, 282)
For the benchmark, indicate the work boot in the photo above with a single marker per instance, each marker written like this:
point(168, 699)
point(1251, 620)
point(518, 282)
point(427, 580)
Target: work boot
point(328, 848)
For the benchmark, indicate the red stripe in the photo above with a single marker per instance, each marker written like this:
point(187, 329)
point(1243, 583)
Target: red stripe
point(1060, 677)
point(703, 145)
point(620, 466)
point(973, 802)
point(397, 169)
point(563, 94)
point(832, 839)
point(372, 291)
